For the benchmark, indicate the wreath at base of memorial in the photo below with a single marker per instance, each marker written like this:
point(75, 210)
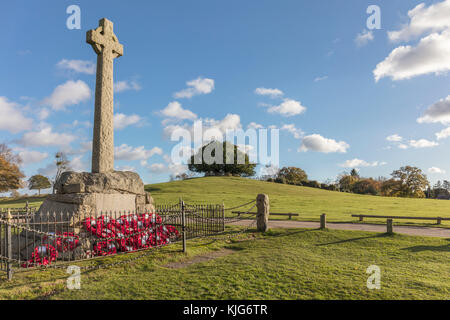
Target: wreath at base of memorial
point(128, 233)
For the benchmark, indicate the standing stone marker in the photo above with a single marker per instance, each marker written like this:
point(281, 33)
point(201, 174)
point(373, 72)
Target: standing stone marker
point(107, 47)
point(262, 215)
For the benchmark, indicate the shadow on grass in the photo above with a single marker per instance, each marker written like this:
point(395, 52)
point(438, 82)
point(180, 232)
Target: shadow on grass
point(152, 189)
point(444, 248)
point(381, 235)
point(286, 232)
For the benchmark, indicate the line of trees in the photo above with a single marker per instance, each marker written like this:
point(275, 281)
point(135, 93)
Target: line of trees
point(408, 182)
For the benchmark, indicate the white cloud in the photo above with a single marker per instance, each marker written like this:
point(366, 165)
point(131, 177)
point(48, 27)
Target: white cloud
point(254, 125)
point(122, 121)
point(403, 146)
point(126, 168)
point(288, 108)
point(422, 143)
point(157, 168)
point(296, 132)
point(80, 66)
point(69, 93)
point(121, 86)
point(436, 170)
point(196, 87)
point(126, 152)
point(357, 163)
point(46, 137)
point(431, 55)
point(176, 169)
point(230, 122)
point(437, 112)
point(49, 170)
point(363, 38)
point(394, 138)
point(43, 114)
point(28, 156)
point(12, 118)
point(317, 79)
point(174, 110)
point(77, 164)
point(77, 123)
point(273, 93)
point(85, 146)
point(443, 134)
point(423, 20)
point(316, 142)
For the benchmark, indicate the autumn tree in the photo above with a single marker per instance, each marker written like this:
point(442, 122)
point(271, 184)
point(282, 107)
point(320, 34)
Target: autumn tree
point(38, 182)
point(293, 175)
point(10, 174)
point(354, 173)
point(346, 182)
point(367, 186)
point(410, 182)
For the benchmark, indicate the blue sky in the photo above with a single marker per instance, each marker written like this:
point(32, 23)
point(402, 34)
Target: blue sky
point(318, 57)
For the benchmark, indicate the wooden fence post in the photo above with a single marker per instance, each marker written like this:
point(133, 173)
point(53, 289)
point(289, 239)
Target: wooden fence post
point(390, 228)
point(9, 270)
point(183, 222)
point(323, 221)
point(262, 216)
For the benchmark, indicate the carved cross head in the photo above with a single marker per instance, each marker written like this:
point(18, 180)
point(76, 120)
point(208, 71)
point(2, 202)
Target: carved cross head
point(104, 41)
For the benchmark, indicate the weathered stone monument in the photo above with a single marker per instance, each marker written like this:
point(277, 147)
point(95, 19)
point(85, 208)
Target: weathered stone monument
point(104, 189)
point(263, 212)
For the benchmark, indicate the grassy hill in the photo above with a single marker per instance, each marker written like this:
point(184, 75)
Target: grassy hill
point(309, 264)
point(308, 202)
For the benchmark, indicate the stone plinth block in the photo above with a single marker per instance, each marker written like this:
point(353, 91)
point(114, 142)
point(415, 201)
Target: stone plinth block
point(81, 195)
point(109, 182)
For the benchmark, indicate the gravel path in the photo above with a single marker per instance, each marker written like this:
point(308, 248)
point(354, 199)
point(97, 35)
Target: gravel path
point(412, 231)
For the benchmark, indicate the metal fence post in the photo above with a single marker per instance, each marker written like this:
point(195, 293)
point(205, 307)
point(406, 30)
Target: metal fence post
point(323, 221)
point(183, 222)
point(9, 270)
point(27, 214)
point(223, 217)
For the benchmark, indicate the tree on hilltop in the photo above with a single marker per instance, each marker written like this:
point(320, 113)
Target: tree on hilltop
point(212, 158)
point(38, 182)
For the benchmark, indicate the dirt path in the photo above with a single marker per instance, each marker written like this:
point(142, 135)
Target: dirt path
point(412, 231)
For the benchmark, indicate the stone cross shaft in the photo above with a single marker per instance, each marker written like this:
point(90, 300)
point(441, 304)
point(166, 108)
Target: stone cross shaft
point(107, 47)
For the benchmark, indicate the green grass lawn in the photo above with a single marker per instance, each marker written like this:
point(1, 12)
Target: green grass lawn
point(308, 202)
point(281, 264)
point(34, 201)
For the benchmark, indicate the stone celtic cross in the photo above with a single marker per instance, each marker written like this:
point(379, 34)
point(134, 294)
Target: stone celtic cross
point(107, 47)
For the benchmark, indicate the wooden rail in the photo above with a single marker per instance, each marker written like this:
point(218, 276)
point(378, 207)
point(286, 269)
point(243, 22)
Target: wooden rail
point(290, 215)
point(362, 216)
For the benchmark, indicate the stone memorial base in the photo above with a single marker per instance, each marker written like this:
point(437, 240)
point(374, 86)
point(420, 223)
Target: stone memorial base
point(93, 194)
point(79, 196)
